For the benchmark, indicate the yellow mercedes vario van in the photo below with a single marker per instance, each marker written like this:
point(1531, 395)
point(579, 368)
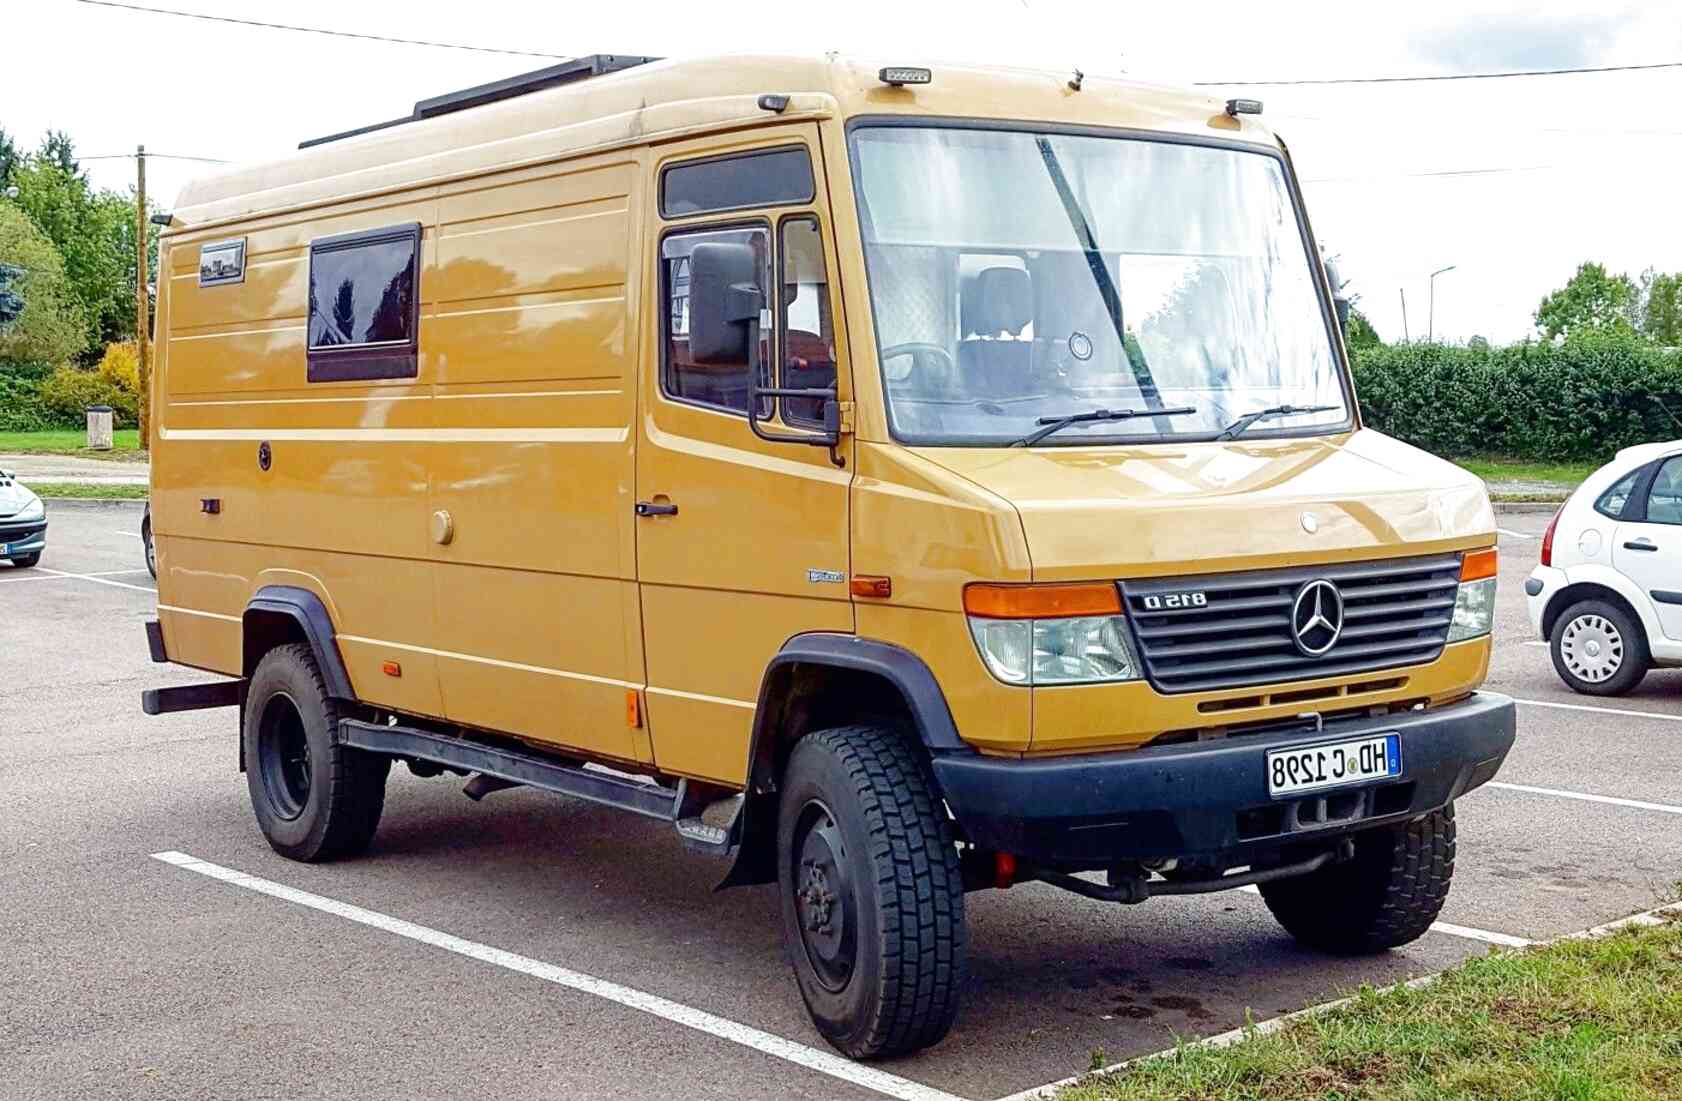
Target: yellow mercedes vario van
point(905, 482)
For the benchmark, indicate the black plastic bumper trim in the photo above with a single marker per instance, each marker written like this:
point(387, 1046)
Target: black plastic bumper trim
point(1185, 800)
point(1532, 586)
point(193, 697)
point(155, 641)
point(1667, 596)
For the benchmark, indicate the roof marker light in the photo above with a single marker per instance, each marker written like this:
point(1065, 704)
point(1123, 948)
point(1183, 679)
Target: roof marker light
point(900, 75)
point(1236, 107)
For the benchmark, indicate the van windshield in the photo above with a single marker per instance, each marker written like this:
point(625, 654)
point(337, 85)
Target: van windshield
point(1018, 278)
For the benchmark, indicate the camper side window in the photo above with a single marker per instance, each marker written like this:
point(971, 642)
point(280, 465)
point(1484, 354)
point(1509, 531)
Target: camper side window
point(364, 305)
point(718, 385)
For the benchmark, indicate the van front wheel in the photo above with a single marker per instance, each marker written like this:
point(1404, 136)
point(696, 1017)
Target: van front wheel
point(314, 798)
point(872, 899)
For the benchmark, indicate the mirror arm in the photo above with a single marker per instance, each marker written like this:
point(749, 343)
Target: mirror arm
point(829, 437)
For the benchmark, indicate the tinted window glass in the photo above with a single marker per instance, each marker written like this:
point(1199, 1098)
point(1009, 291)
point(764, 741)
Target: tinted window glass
point(362, 289)
point(723, 385)
point(808, 328)
point(1664, 501)
point(780, 176)
point(1612, 502)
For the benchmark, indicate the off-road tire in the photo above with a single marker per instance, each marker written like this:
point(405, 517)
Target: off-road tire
point(1636, 657)
point(27, 561)
point(901, 872)
point(326, 803)
point(1387, 896)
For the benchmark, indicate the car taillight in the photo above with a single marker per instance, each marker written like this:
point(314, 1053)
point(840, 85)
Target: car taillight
point(1548, 539)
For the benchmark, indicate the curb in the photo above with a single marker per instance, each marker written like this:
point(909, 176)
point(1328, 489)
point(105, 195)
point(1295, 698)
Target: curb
point(1526, 508)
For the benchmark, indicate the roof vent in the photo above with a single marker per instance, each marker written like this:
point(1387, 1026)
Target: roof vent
point(567, 72)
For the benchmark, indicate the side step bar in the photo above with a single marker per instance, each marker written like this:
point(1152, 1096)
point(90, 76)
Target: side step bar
point(193, 697)
point(648, 800)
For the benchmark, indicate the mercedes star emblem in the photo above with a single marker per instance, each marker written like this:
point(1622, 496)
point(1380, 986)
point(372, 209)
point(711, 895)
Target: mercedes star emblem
point(1317, 617)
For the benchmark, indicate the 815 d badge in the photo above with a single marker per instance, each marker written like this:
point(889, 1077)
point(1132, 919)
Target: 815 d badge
point(1168, 602)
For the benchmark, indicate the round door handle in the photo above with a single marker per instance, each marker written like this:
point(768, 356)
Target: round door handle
point(443, 527)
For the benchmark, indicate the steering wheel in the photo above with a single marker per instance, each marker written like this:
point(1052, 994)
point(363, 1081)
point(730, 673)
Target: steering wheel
point(938, 375)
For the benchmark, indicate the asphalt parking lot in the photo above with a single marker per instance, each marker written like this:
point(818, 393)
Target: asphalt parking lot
point(532, 946)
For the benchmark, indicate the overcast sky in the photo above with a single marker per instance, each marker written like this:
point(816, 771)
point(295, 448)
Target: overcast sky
point(1549, 171)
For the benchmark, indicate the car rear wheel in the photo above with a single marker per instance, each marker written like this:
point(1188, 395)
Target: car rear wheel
point(146, 541)
point(314, 798)
point(872, 898)
point(1598, 649)
point(1386, 896)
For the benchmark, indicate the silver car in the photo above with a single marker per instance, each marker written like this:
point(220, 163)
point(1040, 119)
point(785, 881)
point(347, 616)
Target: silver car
point(23, 523)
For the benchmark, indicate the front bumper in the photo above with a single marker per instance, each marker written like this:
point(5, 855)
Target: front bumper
point(17, 540)
point(1209, 801)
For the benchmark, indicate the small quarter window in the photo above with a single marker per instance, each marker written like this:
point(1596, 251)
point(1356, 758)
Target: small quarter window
point(1614, 500)
point(364, 309)
point(774, 177)
point(722, 386)
point(808, 346)
point(1664, 500)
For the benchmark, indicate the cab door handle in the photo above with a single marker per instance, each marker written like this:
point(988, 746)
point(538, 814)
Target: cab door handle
point(656, 508)
point(1641, 545)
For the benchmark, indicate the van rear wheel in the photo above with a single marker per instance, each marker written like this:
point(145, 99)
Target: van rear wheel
point(314, 798)
point(1385, 897)
point(872, 899)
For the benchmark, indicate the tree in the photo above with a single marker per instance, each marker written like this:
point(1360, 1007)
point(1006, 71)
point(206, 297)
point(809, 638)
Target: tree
point(1593, 301)
point(1658, 308)
point(50, 327)
point(1360, 333)
point(58, 149)
point(10, 158)
point(89, 231)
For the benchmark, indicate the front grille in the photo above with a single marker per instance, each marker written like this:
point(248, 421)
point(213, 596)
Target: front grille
point(13, 532)
point(1395, 613)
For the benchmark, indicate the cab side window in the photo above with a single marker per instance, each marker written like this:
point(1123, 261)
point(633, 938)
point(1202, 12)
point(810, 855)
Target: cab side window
point(808, 328)
point(718, 386)
point(1664, 500)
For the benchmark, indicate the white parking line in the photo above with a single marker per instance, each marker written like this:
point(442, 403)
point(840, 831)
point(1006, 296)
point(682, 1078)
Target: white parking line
point(1514, 534)
point(835, 1066)
point(41, 573)
point(99, 580)
point(1609, 800)
point(1535, 642)
point(1464, 931)
point(1631, 712)
point(130, 534)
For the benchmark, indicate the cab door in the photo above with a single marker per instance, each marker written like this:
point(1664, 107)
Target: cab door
point(1648, 547)
point(741, 542)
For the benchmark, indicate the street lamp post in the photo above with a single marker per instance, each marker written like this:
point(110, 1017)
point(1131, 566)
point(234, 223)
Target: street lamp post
point(1431, 315)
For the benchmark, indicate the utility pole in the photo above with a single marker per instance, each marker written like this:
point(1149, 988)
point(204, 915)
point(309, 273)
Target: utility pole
point(1403, 292)
point(1431, 322)
point(142, 307)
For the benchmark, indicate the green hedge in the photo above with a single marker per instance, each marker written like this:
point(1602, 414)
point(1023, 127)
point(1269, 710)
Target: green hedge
point(1582, 400)
point(21, 407)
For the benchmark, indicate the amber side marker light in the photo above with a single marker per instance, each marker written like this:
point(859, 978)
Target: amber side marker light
point(391, 669)
point(1042, 601)
point(1478, 564)
point(872, 585)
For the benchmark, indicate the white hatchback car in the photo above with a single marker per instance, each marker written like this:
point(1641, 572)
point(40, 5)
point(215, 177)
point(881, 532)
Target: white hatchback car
point(1607, 596)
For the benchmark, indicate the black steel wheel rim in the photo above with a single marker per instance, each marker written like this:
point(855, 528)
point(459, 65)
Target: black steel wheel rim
point(825, 903)
point(283, 756)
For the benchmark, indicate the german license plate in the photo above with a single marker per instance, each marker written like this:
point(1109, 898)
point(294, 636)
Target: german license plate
point(1333, 764)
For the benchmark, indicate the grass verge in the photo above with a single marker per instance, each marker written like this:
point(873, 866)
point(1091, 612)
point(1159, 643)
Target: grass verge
point(1577, 1019)
point(125, 444)
point(1567, 475)
point(82, 491)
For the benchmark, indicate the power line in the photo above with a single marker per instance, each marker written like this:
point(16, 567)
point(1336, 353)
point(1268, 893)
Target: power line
point(319, 30)
point(150, 156)
point(1424, 79)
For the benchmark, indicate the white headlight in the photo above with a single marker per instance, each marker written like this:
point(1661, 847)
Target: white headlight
point(1077, 650)
point(1474, 610)
point(34, 510)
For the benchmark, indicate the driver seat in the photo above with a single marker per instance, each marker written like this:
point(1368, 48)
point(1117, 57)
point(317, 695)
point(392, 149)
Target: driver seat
point(1000, 301)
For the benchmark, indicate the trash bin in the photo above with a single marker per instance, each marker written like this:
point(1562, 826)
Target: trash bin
point(99, 428)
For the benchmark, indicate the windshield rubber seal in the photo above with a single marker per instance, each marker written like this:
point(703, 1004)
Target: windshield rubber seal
point(1277, 152)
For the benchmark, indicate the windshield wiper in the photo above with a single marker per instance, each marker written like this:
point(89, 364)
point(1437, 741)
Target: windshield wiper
point(1056, 424)
point(1232, 430)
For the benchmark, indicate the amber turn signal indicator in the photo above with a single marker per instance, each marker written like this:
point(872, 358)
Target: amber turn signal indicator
point(633, 709)
point(1042, 601)
point(1478, 564)
point(391, 668)
point(872, 585)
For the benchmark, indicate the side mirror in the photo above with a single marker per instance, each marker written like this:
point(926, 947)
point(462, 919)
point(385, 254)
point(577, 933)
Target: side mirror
point(725, 301)
point(1340, 302)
